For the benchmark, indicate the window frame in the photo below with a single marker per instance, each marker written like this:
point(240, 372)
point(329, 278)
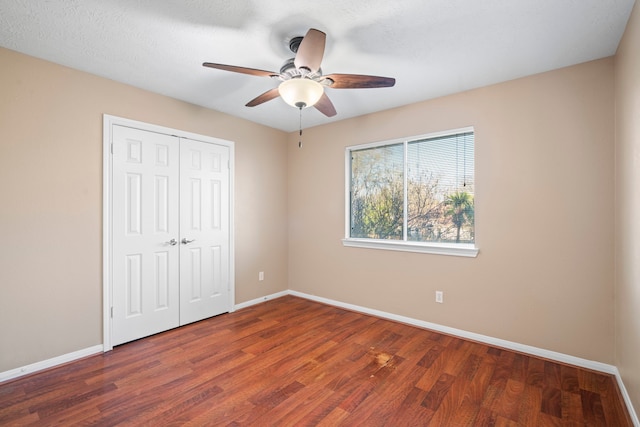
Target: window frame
point(438, 248)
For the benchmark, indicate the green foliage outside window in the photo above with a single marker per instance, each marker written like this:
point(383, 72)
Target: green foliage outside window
point(432, 179)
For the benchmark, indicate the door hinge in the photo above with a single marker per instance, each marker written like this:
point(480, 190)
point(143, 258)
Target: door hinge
point(111, 148)
point(112, 312)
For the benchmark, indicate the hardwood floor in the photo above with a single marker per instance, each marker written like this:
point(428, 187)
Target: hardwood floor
point(295, 362)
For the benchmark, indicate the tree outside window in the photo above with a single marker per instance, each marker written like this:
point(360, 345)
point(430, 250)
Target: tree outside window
point(419, 190)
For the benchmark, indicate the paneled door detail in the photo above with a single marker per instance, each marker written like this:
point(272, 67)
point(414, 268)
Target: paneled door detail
point(145, 260)
point(204, 230)
point(170, 232)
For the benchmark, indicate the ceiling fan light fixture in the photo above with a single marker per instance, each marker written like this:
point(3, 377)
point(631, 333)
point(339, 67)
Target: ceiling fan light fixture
point(301, 92)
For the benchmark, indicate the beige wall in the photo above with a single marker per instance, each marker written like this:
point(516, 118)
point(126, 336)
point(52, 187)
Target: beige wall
point(628, 207)
point(544, 210)
point(51, 201)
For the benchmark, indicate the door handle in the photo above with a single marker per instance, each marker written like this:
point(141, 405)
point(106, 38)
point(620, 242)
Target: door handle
point(185, 241)
point(171, 242)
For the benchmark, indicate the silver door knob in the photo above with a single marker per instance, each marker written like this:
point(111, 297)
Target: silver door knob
point(172, 242)
point(185, 241)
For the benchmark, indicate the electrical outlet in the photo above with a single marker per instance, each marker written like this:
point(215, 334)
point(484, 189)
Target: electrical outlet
point(439, 297)
point(261, 276)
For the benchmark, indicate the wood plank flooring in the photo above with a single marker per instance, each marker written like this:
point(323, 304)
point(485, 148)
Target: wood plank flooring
point(293, 362)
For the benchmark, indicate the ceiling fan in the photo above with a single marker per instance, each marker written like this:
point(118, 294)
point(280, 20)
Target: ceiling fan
point(302, 83)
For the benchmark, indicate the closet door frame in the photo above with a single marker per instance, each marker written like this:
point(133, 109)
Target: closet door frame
point(107, 243)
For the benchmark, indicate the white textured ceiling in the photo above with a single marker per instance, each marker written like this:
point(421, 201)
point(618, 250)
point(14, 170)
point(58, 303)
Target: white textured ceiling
point(431, 47)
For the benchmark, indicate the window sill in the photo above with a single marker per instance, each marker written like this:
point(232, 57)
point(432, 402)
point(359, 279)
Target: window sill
point(461, 249)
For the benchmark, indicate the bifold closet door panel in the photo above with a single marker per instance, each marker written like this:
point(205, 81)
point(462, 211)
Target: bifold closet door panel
point(145, 233)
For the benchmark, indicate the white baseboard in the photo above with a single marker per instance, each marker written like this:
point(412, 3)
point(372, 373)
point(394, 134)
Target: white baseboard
point(49, 363)
point(627, 400)
point(259, 300)
point(522, 348)
point(70, 357)
point(546, 354)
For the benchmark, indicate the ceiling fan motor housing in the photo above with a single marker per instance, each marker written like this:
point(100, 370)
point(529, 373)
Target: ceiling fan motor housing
point(294, 43)
point(289, 70)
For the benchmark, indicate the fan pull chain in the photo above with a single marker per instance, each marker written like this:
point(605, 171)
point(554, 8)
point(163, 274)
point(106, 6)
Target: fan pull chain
point(300, 138)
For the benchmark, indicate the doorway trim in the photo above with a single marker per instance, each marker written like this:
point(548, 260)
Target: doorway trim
point(108, 121)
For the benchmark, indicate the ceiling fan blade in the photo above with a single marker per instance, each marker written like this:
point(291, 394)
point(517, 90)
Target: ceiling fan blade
point(325, 106)
point(261, 99)
point(358, 81)
point(243, 70)
point(311, 50)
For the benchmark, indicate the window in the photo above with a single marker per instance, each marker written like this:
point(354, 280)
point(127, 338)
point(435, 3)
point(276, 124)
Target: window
point(413, 195)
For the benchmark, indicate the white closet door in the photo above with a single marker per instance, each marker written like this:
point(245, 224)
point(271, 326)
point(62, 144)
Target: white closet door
point(145, 263)
point(204, 230)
